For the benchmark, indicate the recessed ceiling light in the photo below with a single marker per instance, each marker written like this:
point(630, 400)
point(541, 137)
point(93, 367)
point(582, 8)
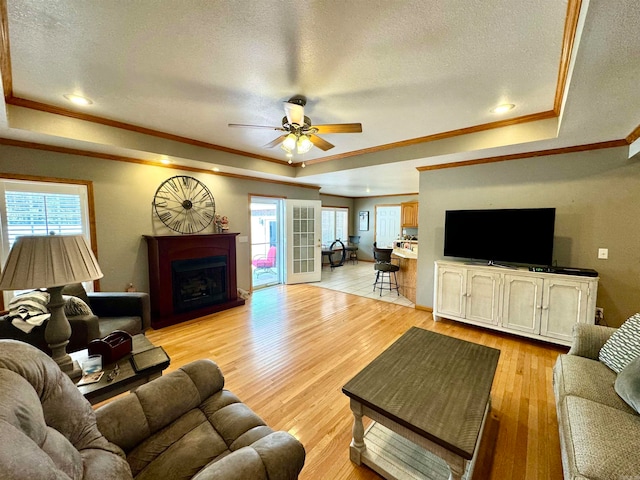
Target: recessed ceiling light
point(505, 107)
point(77, 99)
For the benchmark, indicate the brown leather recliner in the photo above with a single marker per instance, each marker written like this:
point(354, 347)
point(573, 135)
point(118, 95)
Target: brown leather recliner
point(179, 426)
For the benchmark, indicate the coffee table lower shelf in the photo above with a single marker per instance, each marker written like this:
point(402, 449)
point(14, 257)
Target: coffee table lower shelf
point(395, 457)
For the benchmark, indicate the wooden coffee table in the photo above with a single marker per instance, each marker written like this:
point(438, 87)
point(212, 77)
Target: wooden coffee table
point(429, 397)
point(126, 380)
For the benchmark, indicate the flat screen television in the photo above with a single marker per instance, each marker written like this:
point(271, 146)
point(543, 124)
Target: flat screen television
point(518, 235)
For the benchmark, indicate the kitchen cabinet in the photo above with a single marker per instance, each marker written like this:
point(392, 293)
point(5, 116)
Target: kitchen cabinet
point(537, 305)
point(409, 214)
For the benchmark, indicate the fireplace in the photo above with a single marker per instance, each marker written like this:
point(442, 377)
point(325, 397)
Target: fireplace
point(191, 276)
point(198, 282)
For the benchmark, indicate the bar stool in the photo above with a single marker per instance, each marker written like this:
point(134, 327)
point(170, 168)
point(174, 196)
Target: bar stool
point(352, 248)
point(384, 266)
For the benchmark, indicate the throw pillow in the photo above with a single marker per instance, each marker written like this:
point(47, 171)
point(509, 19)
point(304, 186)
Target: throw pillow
point(623, 346)
point(77, 290)
point(74, 307)
point(628, 384)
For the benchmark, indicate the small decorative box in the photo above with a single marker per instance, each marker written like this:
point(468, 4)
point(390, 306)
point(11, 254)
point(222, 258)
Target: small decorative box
point(112, 347)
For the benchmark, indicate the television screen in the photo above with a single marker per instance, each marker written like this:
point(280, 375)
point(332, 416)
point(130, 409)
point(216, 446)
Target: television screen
point(522, 235)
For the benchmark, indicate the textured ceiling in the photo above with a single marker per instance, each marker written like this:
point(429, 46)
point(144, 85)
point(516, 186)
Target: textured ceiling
point(404, 69)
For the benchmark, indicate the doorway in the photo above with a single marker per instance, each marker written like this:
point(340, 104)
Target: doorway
point(267, 252)
point(387, 225)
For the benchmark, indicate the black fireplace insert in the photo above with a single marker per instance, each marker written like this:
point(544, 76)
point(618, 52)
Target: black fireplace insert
point(199, 282)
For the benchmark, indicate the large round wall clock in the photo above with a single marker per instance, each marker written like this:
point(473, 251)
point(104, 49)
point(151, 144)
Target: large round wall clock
point(184, 204)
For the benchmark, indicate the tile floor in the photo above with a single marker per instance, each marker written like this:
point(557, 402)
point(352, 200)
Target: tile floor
point(358, 280)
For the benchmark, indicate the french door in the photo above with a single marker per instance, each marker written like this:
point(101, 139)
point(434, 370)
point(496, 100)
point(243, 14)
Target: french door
point(303, 234)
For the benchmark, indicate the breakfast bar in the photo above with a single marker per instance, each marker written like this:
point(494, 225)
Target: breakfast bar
point(407, 260)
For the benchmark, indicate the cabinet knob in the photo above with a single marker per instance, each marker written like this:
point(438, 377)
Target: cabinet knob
point(546, 308)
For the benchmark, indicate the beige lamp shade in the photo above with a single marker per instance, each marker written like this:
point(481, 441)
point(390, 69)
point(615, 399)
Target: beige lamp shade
point(49, 261)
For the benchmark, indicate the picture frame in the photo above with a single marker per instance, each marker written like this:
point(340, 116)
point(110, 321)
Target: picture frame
point(364, 221)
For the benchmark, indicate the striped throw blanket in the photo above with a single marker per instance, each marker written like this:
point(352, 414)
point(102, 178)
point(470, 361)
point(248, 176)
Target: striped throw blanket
point(29, 310)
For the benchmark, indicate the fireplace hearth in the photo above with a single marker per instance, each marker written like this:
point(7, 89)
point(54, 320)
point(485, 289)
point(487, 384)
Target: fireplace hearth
point(191, 276)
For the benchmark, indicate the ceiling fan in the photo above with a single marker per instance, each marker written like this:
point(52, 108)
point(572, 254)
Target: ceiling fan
point(300, 134)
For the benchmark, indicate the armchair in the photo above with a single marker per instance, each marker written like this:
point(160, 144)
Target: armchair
point(110, 311)
point(179, 426)
point(265, 264)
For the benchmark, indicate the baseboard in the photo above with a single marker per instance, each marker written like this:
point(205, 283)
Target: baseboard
point(423, 308)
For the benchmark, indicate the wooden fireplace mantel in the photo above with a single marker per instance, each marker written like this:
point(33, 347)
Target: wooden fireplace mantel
point(164, 249)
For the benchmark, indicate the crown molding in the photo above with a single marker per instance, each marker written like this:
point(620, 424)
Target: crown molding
point(519, 156)
point(120, 158)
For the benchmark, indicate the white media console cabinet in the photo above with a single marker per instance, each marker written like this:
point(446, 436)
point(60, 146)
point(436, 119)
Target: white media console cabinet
point(544, 306)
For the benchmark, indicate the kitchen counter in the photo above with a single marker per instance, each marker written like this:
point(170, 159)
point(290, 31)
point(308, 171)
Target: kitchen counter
point(404, 253)
point(408, 273)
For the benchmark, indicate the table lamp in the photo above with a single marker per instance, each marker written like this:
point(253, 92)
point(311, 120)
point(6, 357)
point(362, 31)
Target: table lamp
point(51, 262)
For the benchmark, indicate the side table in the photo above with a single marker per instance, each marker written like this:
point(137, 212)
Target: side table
point(127, 379)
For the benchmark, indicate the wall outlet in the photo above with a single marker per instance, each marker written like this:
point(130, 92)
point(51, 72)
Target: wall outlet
point(599, 315)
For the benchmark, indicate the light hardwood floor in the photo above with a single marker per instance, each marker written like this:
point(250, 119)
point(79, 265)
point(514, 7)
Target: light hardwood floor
point(289, 350)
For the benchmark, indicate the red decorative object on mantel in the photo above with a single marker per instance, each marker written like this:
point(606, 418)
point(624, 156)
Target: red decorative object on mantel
point(191, 276)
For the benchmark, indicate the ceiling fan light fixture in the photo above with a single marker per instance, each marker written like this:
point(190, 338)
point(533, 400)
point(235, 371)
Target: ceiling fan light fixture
point(289, 143)
point(304, 144)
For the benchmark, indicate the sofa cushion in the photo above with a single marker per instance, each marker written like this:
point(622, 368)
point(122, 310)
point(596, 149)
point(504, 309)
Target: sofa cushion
point(47, 428)
point(623, 346)
point(628, 384)
point(589, 379)
point(131, 325)
point(599, 442)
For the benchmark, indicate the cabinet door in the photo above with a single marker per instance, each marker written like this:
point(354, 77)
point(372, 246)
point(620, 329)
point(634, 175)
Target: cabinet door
point(483, 294)
point(409, 214)
point(522, 303)
point(564, 304)
point(451, 294)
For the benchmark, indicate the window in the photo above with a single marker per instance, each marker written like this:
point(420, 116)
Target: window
point(335, 225)
point(41, 208)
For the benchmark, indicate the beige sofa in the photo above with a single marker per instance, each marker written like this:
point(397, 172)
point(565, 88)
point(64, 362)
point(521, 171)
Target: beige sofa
point(182, 425)
point(599, 432)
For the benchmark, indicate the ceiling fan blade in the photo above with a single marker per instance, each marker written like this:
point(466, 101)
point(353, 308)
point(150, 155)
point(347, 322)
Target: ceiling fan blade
point(294, 113)
point(240, 125)
point(276, 142)
point(339, 128)
point(321, 143)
